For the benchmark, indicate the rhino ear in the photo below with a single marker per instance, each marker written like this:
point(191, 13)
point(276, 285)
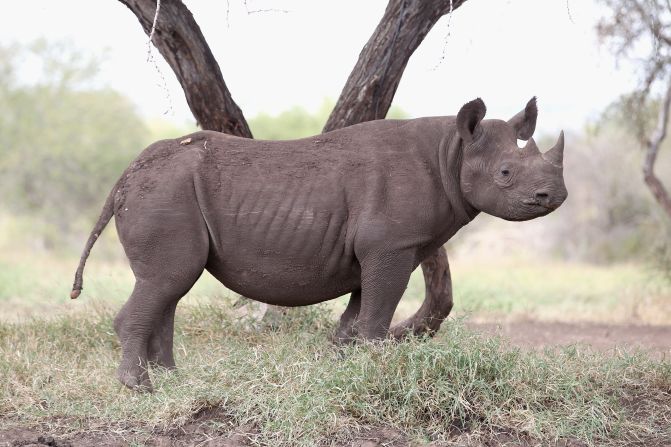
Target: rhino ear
point(469, 118)
point(524, 122)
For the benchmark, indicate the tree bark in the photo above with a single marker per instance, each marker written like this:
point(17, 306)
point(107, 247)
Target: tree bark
point(179, 39)
point(368, 94)
point(652, 149)
point(371, 85)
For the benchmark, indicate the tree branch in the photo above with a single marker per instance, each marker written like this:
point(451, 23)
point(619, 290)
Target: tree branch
point(181, 42)
point(371, 85)
point(653, 144)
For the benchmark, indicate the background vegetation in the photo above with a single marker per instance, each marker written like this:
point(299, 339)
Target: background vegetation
point(66, 139)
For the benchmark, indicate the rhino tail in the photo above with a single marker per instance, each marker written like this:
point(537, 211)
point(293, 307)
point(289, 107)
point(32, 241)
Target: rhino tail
point(105, 216)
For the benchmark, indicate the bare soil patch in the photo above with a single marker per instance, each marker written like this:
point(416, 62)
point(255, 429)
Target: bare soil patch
point(601, 337)
point(240, 437)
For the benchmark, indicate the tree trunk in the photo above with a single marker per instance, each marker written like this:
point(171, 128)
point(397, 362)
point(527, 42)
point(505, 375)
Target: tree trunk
point(179, 39)
point(368, 94)
point(371, 85)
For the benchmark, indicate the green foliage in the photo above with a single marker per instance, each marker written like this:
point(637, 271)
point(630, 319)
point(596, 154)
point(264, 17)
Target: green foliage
point(639, 38)
point(298, 122)
point(610, 215)
point(634, 113)
point(64, 141)
point(662, 254)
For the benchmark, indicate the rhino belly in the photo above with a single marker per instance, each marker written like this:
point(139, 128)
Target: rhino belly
point(294, 260)
point(286, 240)
point(283, 282)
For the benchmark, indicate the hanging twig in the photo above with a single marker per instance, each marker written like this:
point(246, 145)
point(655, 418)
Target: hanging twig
point(255, 11)
point(447, 36)
point(568, 11)
point(150, 58)
point(153, 28)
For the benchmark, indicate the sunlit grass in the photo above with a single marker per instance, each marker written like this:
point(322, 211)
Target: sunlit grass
point(39, 284)
point(58, 358)
point(563, 291)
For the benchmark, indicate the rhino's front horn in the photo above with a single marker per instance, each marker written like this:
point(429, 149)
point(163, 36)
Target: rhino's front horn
point(555, 156)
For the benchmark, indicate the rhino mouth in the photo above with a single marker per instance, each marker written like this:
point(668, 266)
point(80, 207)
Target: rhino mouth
point(536, 203)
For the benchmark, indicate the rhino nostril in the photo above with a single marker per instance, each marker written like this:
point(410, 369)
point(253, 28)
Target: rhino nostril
point(541, 196)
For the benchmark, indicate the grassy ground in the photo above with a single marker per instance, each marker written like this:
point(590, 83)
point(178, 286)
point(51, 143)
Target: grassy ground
point(39, 285)
point(294, 388)
point(289, 386)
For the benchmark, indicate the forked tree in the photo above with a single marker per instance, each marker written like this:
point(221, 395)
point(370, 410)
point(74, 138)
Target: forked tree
point(367, 95)
point(630, 26)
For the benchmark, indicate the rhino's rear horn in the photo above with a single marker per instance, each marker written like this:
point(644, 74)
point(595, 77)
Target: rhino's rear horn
point(531, 148)
point(555, 156)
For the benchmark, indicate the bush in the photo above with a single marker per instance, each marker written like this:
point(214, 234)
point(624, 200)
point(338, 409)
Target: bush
point(65, 141)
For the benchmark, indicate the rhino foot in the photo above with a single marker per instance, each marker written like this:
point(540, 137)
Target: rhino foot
point(136, 378)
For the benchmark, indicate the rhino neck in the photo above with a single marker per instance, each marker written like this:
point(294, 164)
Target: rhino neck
point(450, 156)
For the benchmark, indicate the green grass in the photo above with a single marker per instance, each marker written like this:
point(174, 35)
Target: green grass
point(295, 388)
point(58, 359)
point(563, 291)
point(39, 285)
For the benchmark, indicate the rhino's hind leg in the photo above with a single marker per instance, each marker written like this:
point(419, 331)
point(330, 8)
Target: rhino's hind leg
point(346, 331)
point(145, 327)
point(167, 254)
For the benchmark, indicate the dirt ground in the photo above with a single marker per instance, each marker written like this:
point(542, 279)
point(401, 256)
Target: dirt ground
point(379, 437)
point(602, 337)
point(525, 334)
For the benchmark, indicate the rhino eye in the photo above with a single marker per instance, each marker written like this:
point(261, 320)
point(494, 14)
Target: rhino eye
point(505, 172)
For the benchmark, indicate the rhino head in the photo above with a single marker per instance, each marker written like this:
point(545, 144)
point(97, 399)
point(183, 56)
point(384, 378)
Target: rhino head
point(502, 179)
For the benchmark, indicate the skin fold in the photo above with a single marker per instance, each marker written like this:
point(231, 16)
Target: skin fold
point(299, 222)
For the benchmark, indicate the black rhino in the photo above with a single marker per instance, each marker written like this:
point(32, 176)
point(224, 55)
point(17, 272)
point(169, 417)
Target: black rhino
point(294, 223)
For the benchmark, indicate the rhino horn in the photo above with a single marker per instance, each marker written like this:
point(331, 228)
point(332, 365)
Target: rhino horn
point(555, 156)
point(530, 148)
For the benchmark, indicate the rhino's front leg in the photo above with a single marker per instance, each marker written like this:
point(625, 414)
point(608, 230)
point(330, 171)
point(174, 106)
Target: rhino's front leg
point(346, 331)
point(437, 299)
point(384, 278)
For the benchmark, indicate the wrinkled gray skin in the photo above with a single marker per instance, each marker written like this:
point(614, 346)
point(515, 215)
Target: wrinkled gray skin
point(294, 223)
